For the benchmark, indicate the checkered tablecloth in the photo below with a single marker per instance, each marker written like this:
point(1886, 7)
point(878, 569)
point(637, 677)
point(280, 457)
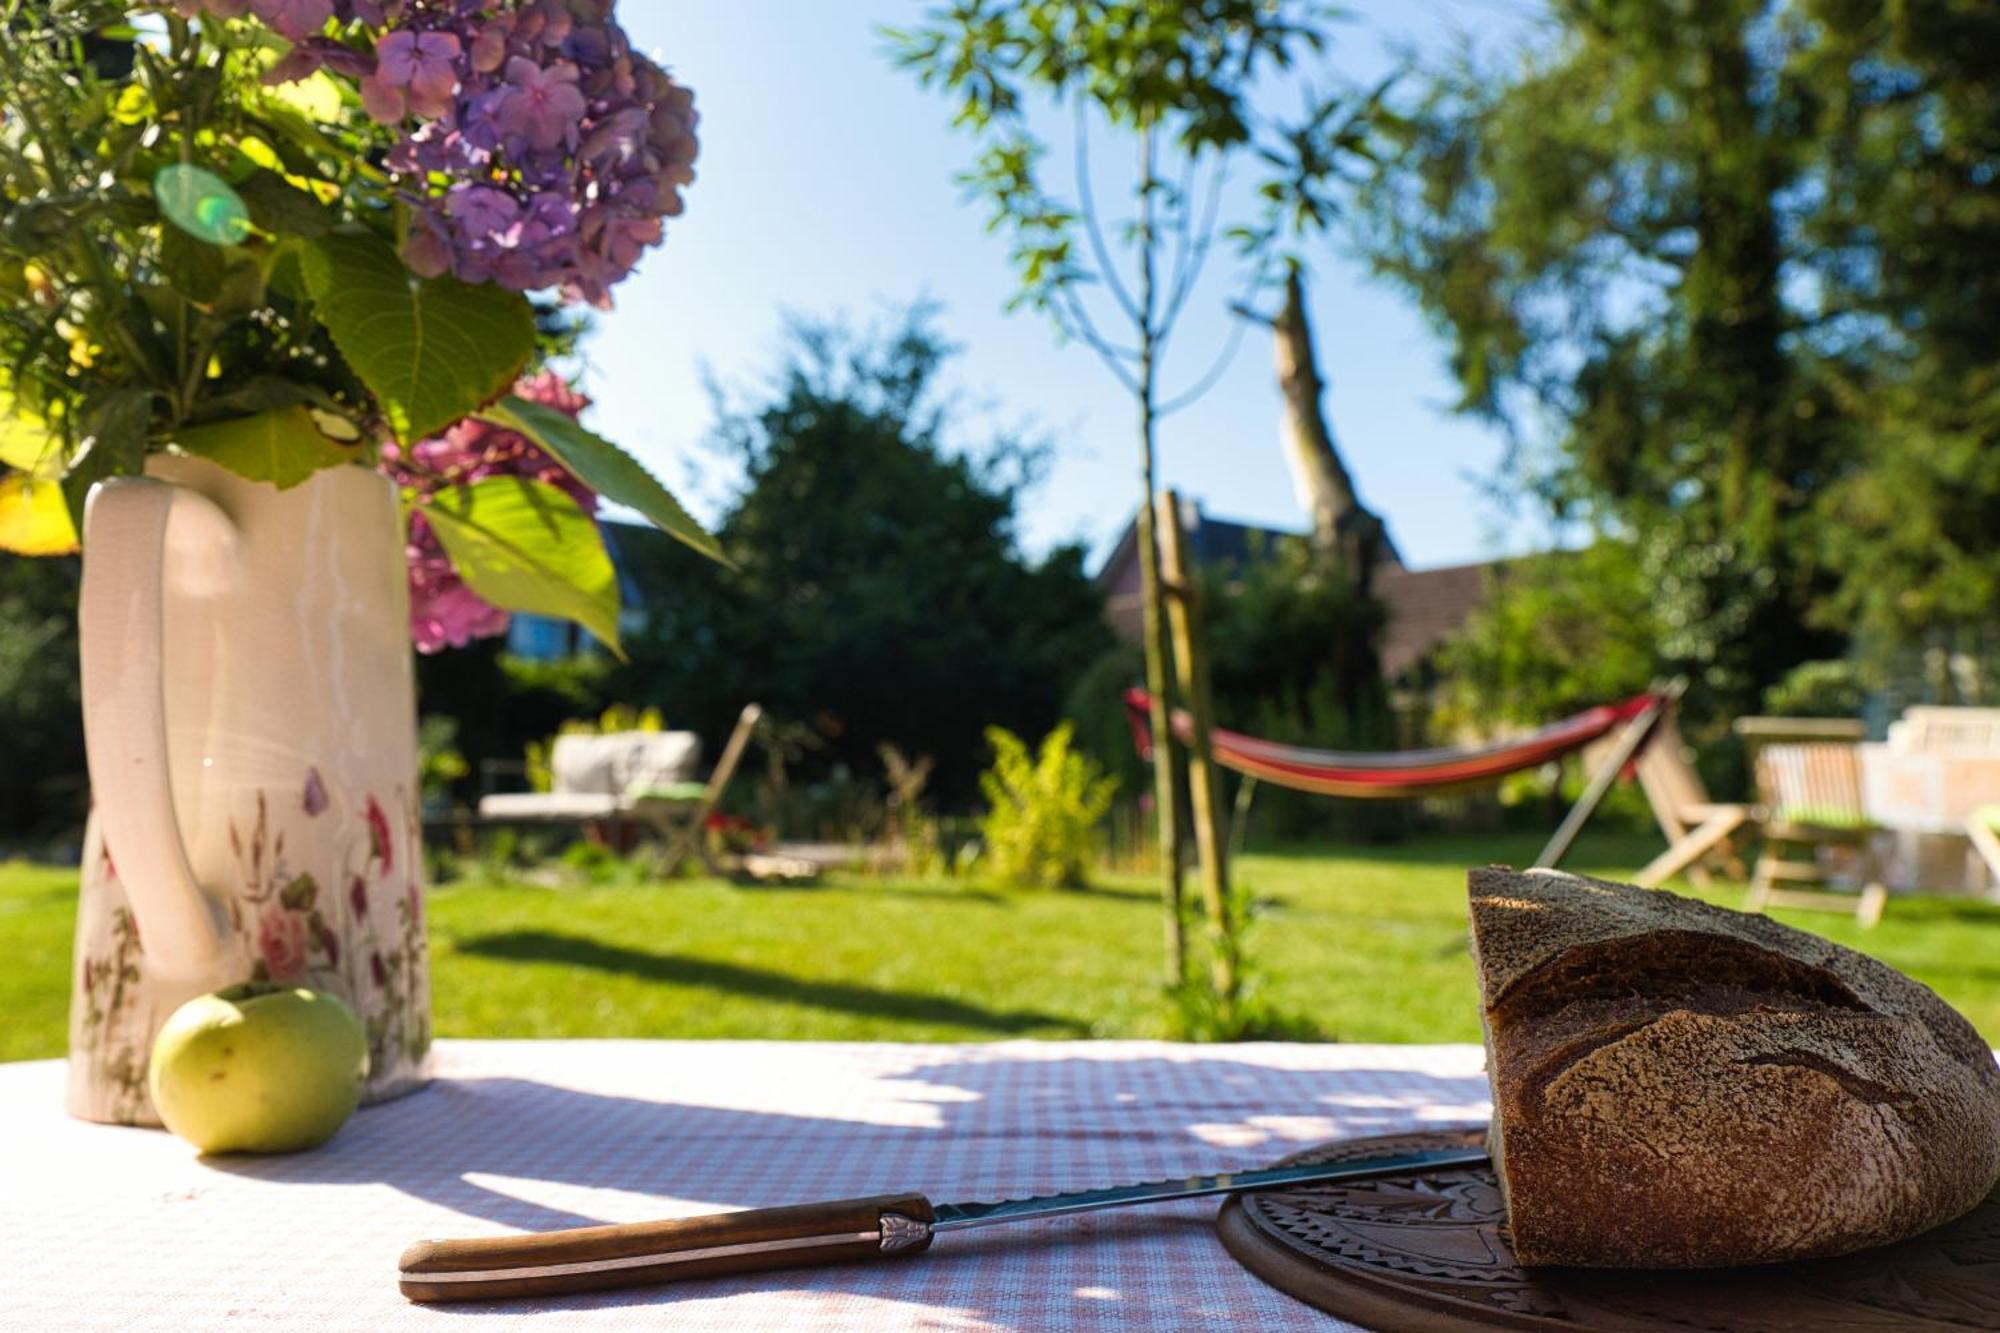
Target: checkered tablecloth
point(126, 1228)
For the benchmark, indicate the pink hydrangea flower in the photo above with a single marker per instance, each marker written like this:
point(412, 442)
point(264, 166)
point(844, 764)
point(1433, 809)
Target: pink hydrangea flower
point(444, 613)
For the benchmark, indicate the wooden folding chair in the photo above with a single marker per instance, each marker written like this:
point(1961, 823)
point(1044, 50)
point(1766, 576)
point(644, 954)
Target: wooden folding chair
point(1982, 827)
point(1700, 833)
point(685, 828)
point(1808, 773)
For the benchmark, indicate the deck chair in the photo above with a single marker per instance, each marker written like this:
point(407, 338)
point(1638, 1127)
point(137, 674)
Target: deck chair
point(684, 828)
point(1701, 834)
point(1982, 827)
point(1808, 773)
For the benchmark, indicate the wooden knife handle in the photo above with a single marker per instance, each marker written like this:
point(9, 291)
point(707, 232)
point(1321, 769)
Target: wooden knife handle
point(591, 1258)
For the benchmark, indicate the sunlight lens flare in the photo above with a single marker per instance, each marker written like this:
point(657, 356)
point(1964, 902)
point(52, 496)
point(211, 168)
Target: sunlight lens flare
point(201, 204)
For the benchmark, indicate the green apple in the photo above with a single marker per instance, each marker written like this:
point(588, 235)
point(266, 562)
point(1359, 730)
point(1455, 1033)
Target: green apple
point(259, 1067)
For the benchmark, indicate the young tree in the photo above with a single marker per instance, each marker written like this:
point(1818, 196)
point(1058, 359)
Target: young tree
point(1177, 80)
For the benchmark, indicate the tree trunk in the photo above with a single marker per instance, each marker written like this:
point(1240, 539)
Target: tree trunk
point(1343, 530)
point(1166, 799)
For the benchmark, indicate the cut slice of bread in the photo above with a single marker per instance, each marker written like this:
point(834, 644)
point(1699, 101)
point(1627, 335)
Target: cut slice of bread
point(1676, 1085)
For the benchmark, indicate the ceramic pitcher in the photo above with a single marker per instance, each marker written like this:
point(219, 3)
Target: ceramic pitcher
point(249, 716)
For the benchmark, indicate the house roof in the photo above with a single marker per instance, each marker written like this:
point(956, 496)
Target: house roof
point(1425, 606)
point(1211, 541)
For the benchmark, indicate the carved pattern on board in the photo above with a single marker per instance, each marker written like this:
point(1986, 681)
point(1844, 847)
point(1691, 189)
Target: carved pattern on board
point(1436, 1247)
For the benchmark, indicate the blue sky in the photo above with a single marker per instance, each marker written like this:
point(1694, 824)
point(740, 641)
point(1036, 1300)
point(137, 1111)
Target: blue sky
point(825, 187)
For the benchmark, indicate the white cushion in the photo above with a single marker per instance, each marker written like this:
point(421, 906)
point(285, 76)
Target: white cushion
point(615, 764)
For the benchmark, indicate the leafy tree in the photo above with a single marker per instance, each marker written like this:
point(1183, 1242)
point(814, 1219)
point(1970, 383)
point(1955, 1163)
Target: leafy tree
point(879, 593)
point(1603, 238)
point(1734, 260)
point(1556, 633)
point(1904, 238)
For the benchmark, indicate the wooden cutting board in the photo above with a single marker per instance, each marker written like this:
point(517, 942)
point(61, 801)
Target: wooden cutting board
point(1432, 1253)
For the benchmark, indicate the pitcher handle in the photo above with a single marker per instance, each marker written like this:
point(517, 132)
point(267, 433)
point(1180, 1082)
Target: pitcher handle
point(137, 532)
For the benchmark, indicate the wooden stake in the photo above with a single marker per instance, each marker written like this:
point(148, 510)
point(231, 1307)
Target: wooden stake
point(1204, 789)
point(1166, 790)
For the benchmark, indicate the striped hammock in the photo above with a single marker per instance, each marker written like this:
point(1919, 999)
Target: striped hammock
point(1393, 774)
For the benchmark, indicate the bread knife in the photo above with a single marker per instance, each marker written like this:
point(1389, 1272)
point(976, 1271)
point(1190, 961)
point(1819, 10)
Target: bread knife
point(761, 1239)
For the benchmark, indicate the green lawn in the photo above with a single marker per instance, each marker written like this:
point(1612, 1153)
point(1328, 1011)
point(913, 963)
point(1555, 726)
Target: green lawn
point(1365, 944)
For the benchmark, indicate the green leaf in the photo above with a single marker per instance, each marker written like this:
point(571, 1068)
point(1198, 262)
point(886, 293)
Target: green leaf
point(526, 546)
point(278, 207)
point(241, 290)
point(193, 267)
point(300, 893)
point(432, 352)
point(604, 467)
point(316, 96)
point(91, 465)
point(259, 393)
point(115, 426)
point(281, 446)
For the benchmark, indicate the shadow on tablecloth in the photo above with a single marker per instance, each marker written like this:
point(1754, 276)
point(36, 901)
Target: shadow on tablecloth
point(989, 1126)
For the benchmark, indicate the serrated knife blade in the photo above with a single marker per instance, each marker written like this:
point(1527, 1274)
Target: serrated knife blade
point(959, 1216)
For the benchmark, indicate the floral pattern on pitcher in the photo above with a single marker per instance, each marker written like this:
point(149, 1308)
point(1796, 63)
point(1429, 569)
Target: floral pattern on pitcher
point(353, 927)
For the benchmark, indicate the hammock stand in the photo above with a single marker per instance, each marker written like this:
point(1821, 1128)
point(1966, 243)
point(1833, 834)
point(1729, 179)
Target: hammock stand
point(1408, 774)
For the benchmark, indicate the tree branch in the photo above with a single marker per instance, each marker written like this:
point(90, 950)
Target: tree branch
point(1210, 376)
point(1185, 288)
point(1074, 321)
point(1087, 209)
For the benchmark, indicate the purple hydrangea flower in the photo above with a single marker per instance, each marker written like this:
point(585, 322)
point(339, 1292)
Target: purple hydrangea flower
point(415, 72)
point(295, 19)
point(542, 101)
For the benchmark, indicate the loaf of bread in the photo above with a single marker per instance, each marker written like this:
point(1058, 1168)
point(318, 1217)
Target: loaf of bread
point(1680, 1086)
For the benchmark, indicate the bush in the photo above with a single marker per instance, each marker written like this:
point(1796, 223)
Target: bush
point(440, 765)
point(1818, 689)
point(1043, 809)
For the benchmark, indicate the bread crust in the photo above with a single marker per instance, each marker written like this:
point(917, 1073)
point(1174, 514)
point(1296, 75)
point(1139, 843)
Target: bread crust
point(1678, 1085)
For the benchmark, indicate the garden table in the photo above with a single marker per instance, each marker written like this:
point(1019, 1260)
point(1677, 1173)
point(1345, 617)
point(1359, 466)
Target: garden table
point(128, 1228)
